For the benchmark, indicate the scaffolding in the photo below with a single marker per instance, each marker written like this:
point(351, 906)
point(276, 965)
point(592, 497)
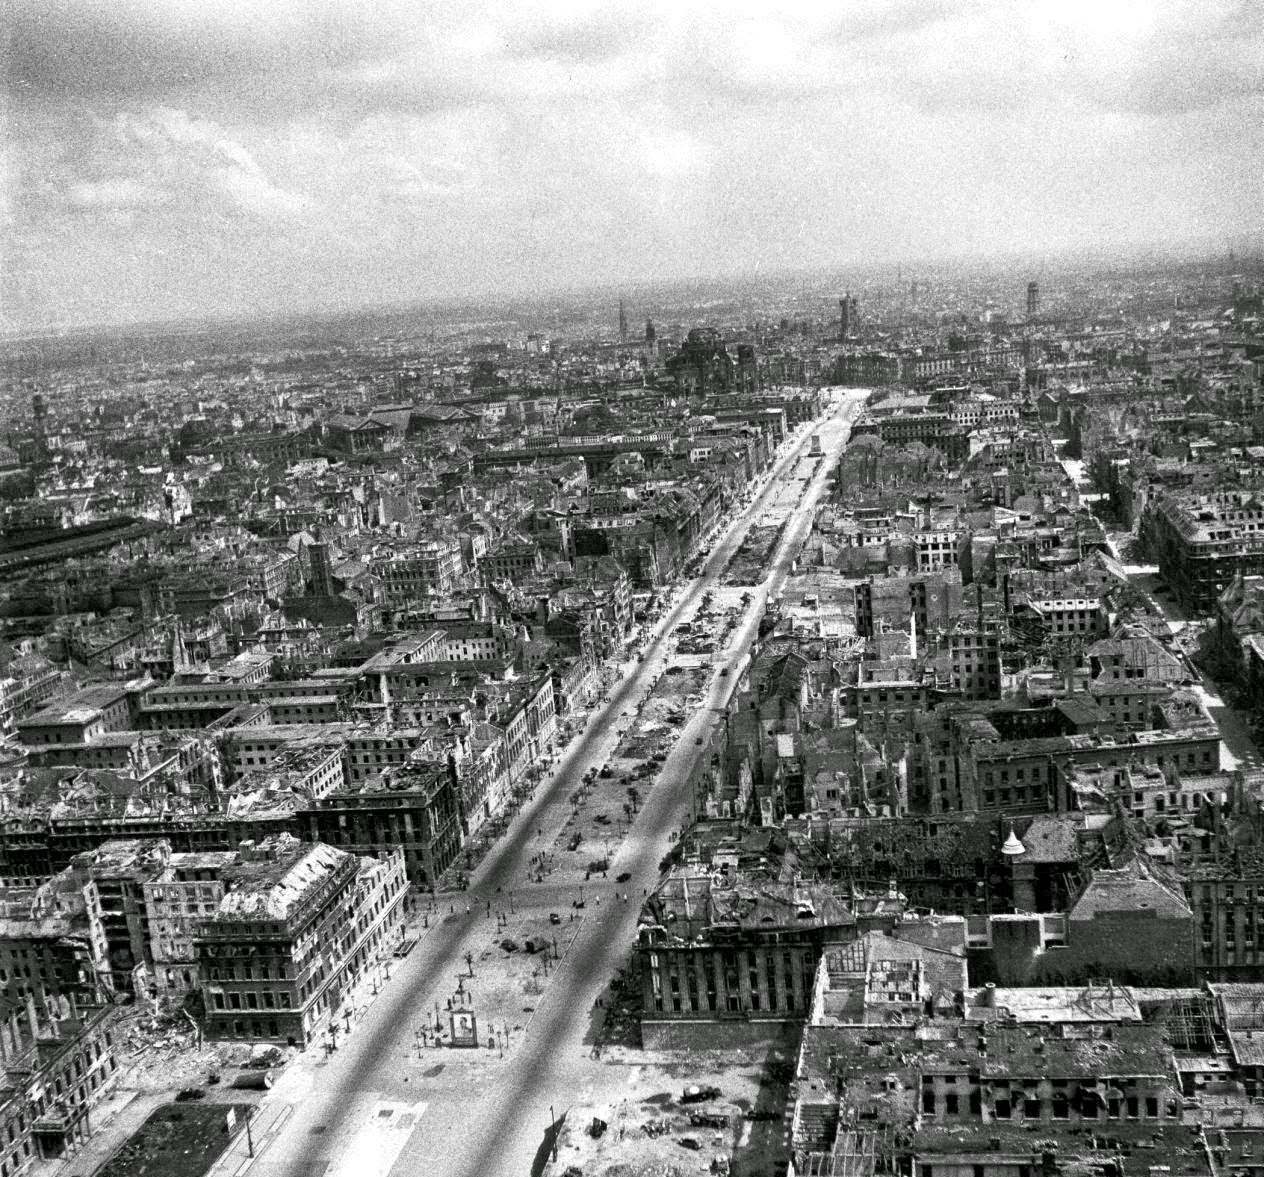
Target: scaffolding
point(1190, 1025)
point(857, 1152)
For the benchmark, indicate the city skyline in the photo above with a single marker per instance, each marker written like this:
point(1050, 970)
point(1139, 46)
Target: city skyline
point(800, 723)
point(166, 162)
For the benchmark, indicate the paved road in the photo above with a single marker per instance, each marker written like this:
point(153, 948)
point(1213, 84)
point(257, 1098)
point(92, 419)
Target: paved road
point(356, 1114)
point(1238, 748)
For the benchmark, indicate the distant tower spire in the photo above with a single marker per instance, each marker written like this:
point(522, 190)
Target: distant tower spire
point(1033, 299)
point(39, 411)
point(848, 316)
point(623, 322)
point(649, 349)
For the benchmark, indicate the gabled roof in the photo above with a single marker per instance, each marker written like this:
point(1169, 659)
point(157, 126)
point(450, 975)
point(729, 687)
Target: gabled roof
point(1243, 603)
point(352, 424)
point(785, 676)
point(1131, 888)
point(444, 413)
point(1051, 838)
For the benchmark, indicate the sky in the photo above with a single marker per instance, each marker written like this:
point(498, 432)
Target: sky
point(166, 159)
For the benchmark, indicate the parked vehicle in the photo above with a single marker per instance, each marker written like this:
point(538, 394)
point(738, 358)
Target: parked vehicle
point(253, 1081)
point(708, 1120)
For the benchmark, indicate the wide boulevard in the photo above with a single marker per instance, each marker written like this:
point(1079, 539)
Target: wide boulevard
point(378, 1106)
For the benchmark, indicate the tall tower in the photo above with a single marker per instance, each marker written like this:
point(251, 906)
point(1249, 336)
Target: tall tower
point(649, 349)
point(848, 316)
point(1033, 299)
point(39, 411)
point(623, 322)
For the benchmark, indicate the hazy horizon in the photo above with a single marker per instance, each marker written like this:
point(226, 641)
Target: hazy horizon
point(171, 162)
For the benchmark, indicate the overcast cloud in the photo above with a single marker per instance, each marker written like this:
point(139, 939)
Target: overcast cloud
point(175, 158)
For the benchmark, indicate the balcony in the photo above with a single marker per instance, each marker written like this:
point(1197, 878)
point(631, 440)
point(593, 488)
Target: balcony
point(61, 1119)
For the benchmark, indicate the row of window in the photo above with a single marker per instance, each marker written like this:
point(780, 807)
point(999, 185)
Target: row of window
point(13, 1162)
point(280, 999)
point(25, 972)
point(254, 1028)
point(181, 891)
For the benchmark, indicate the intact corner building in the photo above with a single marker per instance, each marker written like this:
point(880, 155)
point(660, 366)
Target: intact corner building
point(1201, 542)
point(299, 926)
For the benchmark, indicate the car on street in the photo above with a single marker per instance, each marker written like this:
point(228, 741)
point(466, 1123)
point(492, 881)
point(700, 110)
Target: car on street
point(708, 1120)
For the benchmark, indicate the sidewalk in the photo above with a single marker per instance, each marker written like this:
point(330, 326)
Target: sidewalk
point(247, 1147)
point(379, 973)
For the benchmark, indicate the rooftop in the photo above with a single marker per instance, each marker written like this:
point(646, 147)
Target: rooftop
point(271, 881)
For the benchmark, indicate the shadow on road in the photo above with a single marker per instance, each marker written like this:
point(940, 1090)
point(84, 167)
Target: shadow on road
point(617, 1021)
point(546, 1146)
point(763, 1149)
